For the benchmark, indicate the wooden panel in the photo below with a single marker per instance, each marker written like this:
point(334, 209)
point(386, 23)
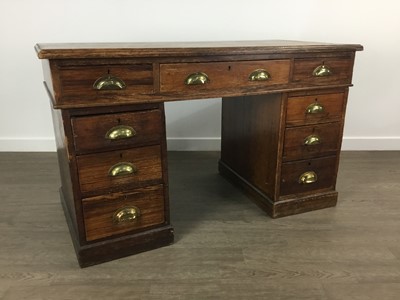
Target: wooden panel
point(90, 131)
point(251, 141)
point(291, 172)
point(93, 170)
point(98, 212)
point(295, 147)
point(341, 70)
point(222, 75)
point(333, 105)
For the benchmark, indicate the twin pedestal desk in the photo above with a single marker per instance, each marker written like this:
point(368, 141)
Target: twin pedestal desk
point(283, 113)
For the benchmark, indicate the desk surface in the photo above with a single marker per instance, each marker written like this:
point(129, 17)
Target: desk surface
point(110, 50)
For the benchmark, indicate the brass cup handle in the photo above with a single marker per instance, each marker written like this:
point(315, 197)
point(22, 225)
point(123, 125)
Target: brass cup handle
point(322, 71)
point(109, 82)
point(198, 78)
point(259, 75)
point(315, 108)
point(311, 140)
point(120, 132)
point(126, 214)
point(121, 169)
point(308, 177)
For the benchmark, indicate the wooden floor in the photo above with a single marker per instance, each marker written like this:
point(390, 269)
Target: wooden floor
point(225, 248)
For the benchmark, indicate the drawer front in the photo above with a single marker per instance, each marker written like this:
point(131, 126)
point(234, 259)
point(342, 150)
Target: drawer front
point(110, 131)
point(105, 81)
point(120, 213)
point(308, 176)
point(323, 71)
point(119, 170)
point(222, 75)
point(311, 141)
point(315, 109)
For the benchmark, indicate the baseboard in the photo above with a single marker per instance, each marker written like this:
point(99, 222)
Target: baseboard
point(47, 144)
point(43, 144)
point(391, 143)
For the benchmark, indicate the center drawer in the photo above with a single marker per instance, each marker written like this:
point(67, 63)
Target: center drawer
point(119, 213)
point(119, 170)
point(111, 131)
point(203, 77)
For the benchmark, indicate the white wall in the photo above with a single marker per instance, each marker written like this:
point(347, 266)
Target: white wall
point(373, 111)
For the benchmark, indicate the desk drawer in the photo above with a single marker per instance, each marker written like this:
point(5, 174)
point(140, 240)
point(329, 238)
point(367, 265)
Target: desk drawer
point(174, 78)
point(315, 109)
point(308, 175)
point(112, 81)
point(110, 131)
point(119, 170)
point(323, 71)
point(311, 141)
point(119, 213)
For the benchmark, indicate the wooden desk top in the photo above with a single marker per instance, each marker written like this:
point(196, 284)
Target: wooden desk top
point(166, 49)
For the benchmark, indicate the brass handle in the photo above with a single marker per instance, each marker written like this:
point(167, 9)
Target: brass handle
point(259, 75)
point(109, 82)
point(197, 79)
point(322, 71)
point(122, 168)
point(308, 177)
point(312, 139)
point(315, 108)
point(120, 132)
point(126, 214)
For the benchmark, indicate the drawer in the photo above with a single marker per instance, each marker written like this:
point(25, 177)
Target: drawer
point(315, 109)
point(110, 131)
point(203, 77)
point(119, 170)
point(120, 213)
point(323, 71)
point(308, 175)
point(311, 141)
point(111, 81)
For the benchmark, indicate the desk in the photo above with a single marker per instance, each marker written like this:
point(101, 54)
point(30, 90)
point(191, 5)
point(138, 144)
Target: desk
point(283, 113)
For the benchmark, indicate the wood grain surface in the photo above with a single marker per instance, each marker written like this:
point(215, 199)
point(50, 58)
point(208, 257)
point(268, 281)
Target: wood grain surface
point(226, 248)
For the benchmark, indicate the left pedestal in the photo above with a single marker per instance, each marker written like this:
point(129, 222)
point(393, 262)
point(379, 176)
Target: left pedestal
point(114, 180)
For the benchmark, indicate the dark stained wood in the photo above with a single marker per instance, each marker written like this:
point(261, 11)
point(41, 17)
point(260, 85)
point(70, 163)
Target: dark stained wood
point(171, 49)
point(251, 141)
point(333, 104)
point(291, 172)
point(222, 75)
point(93, 170)
point(90, 131)
point(295, 147)
point(341, 69)
point(264, 125)
point(98, 212)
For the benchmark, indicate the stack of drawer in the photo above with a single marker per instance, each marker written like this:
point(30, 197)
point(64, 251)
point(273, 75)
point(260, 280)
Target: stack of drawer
point(312, 140)
point(120, 174)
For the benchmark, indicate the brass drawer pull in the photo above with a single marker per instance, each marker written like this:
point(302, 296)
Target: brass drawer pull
point(109, 82)
point(311, 140)
point(308, 177)
point(121, 169)
point(120, 132)
point(126, 214)
point(259, 75)
point(197, 79)
point(315, 108)
point(322, 71)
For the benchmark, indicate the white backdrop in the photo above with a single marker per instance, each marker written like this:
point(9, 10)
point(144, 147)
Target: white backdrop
point(373, 120)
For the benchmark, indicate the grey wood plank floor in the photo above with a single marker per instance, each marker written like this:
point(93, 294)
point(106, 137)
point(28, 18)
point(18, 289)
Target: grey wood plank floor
point(226, 248)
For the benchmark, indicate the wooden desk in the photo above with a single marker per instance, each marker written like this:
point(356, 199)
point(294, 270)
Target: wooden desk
point(283, 112)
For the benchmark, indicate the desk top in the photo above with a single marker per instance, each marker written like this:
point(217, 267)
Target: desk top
point(168, 49)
